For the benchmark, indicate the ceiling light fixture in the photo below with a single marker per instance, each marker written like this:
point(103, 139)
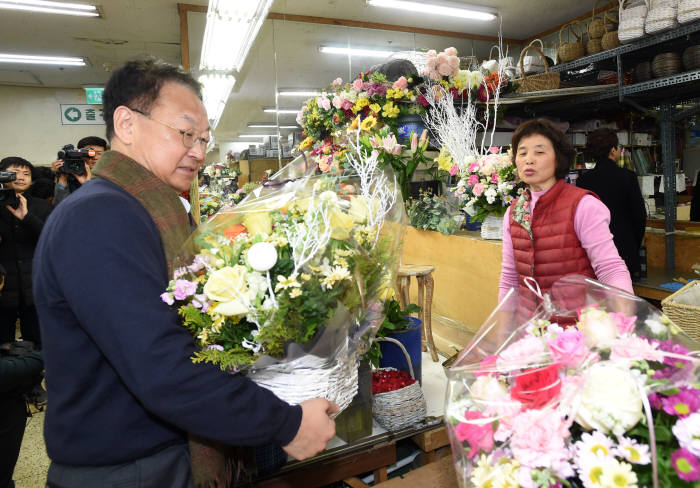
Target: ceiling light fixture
point(356, 51)
point(216, 89)
point(48, 7)
point(272, 126)
point(272, 110)
point(28, 59)
point(299, 93)
point(232, 26)
point(254, 135)
point(447, 8)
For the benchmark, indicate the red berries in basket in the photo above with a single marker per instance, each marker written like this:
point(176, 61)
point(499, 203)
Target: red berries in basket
point(384, 381)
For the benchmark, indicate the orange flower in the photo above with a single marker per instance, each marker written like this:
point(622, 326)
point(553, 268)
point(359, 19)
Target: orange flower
point(233, 231)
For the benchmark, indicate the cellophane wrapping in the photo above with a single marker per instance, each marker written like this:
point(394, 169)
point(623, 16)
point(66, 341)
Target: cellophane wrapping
point(609, 401)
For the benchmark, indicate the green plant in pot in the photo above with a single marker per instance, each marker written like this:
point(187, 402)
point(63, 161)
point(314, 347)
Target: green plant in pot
point(396, 320)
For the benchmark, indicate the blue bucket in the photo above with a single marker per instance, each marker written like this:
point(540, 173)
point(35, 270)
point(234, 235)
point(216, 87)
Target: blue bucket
point(392, 355)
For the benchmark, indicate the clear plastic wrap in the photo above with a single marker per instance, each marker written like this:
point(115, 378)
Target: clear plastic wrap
point(292, 278)
point(536, 404)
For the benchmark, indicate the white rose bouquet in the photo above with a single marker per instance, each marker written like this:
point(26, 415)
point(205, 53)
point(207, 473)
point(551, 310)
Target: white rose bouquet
point(292, 276)
point(613, 401)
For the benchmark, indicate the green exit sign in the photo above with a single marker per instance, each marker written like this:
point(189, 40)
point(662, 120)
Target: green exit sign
point(93, 96)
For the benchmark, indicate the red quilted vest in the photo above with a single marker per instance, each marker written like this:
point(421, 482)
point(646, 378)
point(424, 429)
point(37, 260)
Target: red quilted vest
point(554, 250)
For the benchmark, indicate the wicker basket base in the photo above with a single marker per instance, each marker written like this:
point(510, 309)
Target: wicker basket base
point(307, 378)
point(401, 408)
point(683, 308)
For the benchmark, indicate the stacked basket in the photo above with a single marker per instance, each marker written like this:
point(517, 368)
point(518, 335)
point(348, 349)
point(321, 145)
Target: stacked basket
point(691, 58)
point(666, 64)
point(662, 16)
point(632, 15)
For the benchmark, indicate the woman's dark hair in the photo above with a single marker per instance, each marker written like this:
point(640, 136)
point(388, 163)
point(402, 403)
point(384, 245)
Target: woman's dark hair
point(600, 142)
point(42, 172)
point(563, 150)
point(16, 161)
point(137, 85)
point(42, 188)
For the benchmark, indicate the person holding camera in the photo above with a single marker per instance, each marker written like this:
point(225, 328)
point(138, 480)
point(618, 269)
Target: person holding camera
point(21, 222)
point(20, 374)
point(71, 178)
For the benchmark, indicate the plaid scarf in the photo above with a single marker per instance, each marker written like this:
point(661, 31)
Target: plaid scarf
point(211, 467)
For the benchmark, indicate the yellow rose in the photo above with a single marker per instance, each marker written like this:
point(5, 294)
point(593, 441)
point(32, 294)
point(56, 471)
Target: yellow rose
point(227, 286)
point(306, 143)
point(341, 224)
point(257, 223)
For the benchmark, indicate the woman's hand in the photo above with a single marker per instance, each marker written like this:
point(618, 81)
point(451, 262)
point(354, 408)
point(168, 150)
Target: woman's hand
point(21, 211)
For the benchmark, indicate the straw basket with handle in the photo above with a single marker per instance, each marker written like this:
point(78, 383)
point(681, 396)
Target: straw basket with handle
point(596, 29)
point(609, 40)
point(533, 64)
point(683, 308)
point(688, 11)
point(568, 51)
point(400, 408)
point(633, 14)
point(538, 82)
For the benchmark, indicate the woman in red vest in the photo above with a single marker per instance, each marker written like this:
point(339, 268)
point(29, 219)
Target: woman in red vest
point(554, 229)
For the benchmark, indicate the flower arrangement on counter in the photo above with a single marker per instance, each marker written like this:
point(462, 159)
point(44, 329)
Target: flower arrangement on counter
point(297, 263)
point(611, 402)
point(370, 95)
point(431, 212)
point(486, 185)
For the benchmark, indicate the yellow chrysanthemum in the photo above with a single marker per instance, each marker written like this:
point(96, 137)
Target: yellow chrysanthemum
point(368, 123)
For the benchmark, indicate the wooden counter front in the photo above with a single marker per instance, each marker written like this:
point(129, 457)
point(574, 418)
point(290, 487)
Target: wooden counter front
point(467, 270)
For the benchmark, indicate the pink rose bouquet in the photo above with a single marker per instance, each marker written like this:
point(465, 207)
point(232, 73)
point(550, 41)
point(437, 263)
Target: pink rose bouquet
point(611, 401)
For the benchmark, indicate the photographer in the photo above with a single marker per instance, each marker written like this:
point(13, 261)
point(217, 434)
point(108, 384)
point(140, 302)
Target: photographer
point(20, 226)
point(20, 373)
point(69, 181)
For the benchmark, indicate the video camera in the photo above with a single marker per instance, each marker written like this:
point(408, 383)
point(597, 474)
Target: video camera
point(8, 195)
point(74, 159)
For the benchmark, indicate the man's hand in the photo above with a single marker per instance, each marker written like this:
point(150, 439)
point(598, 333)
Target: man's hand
point(21, 211)
point(316, 429)
point(83, 178)
point(55, 165)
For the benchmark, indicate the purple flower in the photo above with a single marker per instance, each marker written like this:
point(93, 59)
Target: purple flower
point(376, 89)
point(676, 368)
point(200, 301)
point(655, 401)
point(686, 465)
point(167, 298)
point(198, 263)
point(683, 403)
point(184, 289)
point(179, 272)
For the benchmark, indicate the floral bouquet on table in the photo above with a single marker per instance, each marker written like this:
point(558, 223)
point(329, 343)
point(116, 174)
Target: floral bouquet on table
point(286, 286)
point(487, 184)
point(612, 402)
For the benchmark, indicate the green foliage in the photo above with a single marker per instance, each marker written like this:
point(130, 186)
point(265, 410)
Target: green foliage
point(229, 360)
point(431, 212)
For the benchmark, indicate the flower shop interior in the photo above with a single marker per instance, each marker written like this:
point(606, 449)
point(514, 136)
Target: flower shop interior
point(432, 93)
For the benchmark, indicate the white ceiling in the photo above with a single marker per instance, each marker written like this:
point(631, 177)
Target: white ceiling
point(285, 54)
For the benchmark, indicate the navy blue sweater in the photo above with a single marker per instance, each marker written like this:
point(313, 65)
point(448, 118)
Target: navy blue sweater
point(120, 381)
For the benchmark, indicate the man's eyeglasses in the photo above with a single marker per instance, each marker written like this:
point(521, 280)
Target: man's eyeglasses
point(189, 138)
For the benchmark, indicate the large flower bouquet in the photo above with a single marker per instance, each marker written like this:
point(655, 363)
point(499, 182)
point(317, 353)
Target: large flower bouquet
point(370, 95)
point(292, 273)
point(487, 184)
point(612, 402)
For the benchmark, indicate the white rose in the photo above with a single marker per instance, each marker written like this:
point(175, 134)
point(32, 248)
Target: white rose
point(598, 326)
point(610, 400)
point(487, 390)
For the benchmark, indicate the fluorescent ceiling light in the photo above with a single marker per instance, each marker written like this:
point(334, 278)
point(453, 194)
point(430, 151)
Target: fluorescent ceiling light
point(254, 135)
point(27, 59)
point(272, 126)
point(272, 110)
point(452, 9)
point(47, 7)
point(249, 143)
point(299, 93)
point(232, 26)
point(216, 89)
point(356, 51)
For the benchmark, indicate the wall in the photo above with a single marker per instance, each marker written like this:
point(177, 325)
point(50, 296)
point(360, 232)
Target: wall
point(30, 125)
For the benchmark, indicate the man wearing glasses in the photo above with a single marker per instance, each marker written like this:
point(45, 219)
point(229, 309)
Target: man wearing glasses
point(122, 390)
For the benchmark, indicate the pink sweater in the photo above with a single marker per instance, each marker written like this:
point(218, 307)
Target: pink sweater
point(592, 227)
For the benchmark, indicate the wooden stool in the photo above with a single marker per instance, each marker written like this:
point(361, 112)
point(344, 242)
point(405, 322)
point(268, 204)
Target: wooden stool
point(426, 284)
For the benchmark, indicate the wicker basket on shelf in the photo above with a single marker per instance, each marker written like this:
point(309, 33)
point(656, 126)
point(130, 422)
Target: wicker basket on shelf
point(538, 82)
point(610, 39)
point(688, 11)
point(683, 308)
point(569, 51)
point(632, 15)
point(596, 28)
point(400, 408)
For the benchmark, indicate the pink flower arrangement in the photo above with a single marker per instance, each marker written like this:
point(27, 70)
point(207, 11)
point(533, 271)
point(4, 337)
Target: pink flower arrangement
point(556, 378)
point(444, 64)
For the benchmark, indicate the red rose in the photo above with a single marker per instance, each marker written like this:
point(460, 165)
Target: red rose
point(535, 388)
